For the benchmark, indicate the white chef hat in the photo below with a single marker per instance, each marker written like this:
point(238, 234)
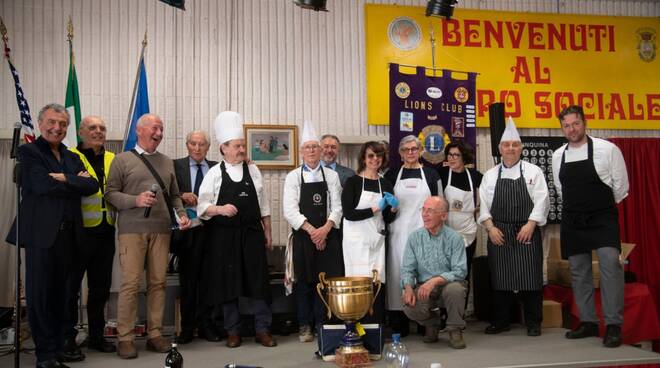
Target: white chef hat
point(228, 125)
point(510, 132)
point(309, 133)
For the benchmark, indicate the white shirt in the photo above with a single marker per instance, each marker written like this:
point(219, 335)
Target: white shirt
point(208, 191)
point(608, 161)
point(141, 150)
point(536, 187)
point(291, 200)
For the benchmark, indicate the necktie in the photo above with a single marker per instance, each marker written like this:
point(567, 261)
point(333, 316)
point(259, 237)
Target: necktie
point(198, 179)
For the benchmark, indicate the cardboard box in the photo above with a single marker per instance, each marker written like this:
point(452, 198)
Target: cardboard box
point(552, 314)
point(559, 271)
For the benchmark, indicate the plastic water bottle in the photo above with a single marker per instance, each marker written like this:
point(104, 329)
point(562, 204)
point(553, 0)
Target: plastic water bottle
point(174, 358)
point(395, 353)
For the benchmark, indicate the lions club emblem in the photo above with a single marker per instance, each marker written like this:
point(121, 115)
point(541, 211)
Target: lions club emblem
point(316, 198)
point(402, 90)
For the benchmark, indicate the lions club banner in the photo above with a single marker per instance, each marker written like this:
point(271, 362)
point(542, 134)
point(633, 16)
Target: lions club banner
point(436, 109)
point(534, 63)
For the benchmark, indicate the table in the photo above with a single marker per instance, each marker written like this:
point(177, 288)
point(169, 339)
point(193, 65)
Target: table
point(640, 316)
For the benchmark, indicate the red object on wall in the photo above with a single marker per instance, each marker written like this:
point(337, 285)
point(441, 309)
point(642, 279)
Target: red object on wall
point(639, 219)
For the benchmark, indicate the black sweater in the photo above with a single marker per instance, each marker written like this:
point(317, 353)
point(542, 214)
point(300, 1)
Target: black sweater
point(350, 197)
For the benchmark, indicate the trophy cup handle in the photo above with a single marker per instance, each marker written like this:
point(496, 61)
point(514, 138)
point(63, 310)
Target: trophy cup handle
point(376, 281)
point(320, 286)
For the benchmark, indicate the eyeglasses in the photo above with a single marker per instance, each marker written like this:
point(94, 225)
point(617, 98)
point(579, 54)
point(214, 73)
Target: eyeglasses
point(311, 147)
point(410, 150)
point(454, 155)
point(375, 155)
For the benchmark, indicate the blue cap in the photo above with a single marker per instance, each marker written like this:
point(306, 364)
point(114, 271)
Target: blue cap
point(396, 337)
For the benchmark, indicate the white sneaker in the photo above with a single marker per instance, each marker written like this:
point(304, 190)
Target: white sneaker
point(306, 334)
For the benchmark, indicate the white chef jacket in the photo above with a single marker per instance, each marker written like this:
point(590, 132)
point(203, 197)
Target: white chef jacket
point(536, 187)
point(291, 199)
point(608, 161)
point(208, 191)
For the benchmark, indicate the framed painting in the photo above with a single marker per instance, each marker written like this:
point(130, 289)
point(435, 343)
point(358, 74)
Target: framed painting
point(272, 146)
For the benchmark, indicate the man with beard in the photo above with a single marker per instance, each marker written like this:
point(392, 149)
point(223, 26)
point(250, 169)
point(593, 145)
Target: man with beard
point(329, 152)
point(591, 178)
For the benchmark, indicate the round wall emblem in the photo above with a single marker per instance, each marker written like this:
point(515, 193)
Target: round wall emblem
point(402, 90)
point(404, 33)
point(461, 94)
point(434, 138)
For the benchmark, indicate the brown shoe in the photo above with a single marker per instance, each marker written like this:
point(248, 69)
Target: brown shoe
point(159, 344)
point(233, 341)
point(431, 334)
point(126, 350)
point(456, 339)
point(266, 339)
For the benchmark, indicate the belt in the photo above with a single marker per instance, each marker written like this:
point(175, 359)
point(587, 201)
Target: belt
point(66, 225)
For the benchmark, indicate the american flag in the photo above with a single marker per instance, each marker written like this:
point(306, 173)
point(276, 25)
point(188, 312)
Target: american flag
point(23, 107)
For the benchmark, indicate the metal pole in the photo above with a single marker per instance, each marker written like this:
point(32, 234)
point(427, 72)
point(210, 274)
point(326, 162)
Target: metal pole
point(135, 85)
point(433, 50)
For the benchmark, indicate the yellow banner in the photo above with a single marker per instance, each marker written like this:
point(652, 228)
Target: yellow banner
point(534, 63)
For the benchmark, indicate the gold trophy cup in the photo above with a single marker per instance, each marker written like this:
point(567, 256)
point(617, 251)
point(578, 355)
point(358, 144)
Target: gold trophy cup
point(350, 298)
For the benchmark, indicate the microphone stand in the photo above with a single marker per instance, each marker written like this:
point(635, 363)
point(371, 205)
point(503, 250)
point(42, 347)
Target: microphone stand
point(17, 306)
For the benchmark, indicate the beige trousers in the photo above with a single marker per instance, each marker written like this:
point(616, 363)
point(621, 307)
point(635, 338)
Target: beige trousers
point(135, 252)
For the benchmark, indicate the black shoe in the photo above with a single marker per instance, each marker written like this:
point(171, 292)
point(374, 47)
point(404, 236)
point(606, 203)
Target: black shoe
point(71, 352)
point(209, 334)
point(99, 343)
point(184, 337)
point(585, 329)
point(612, 336)
point(533, 330)
point(495, 329)
point(53, 363)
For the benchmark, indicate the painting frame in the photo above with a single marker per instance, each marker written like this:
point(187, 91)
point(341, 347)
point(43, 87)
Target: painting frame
point(280, 152)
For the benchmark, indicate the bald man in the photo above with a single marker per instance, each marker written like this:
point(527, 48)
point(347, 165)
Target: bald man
point(95, 254)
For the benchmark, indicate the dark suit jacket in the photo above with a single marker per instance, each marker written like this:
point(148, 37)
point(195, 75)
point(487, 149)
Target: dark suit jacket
point(182, 171)
point(43, 199)
point(344, 173)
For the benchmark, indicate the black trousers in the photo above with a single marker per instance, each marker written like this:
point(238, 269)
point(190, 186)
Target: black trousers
point(532, 301)
point(194, 313)
point(95, 257)
point(46, 273)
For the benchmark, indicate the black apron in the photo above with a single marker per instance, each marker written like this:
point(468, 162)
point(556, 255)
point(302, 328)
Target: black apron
point(514, 265)
point(235, 261)
point(307, 260)
point(589, 218)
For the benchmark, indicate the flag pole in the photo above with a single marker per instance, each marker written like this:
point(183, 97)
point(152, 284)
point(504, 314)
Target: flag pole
point(17, 286)
point(135, 86)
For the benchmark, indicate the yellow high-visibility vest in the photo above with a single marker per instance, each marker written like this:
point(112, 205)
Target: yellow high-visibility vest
point(93, 206)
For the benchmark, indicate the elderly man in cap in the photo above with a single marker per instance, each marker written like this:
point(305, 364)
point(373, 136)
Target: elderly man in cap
point(514, 203)
point(312, 206)
point(236, 209)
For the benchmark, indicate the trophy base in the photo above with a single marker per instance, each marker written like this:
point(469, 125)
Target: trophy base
point(352, 357)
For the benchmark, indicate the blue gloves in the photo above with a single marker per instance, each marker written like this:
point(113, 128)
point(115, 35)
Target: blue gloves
point(382, 204)
point(391, 200)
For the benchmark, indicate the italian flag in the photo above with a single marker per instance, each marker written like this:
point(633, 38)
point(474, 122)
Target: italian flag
point(72, 102)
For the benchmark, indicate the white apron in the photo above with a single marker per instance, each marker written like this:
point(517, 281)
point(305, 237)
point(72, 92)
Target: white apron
point(364, 240)
point(411, 194)
point(461, 210)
